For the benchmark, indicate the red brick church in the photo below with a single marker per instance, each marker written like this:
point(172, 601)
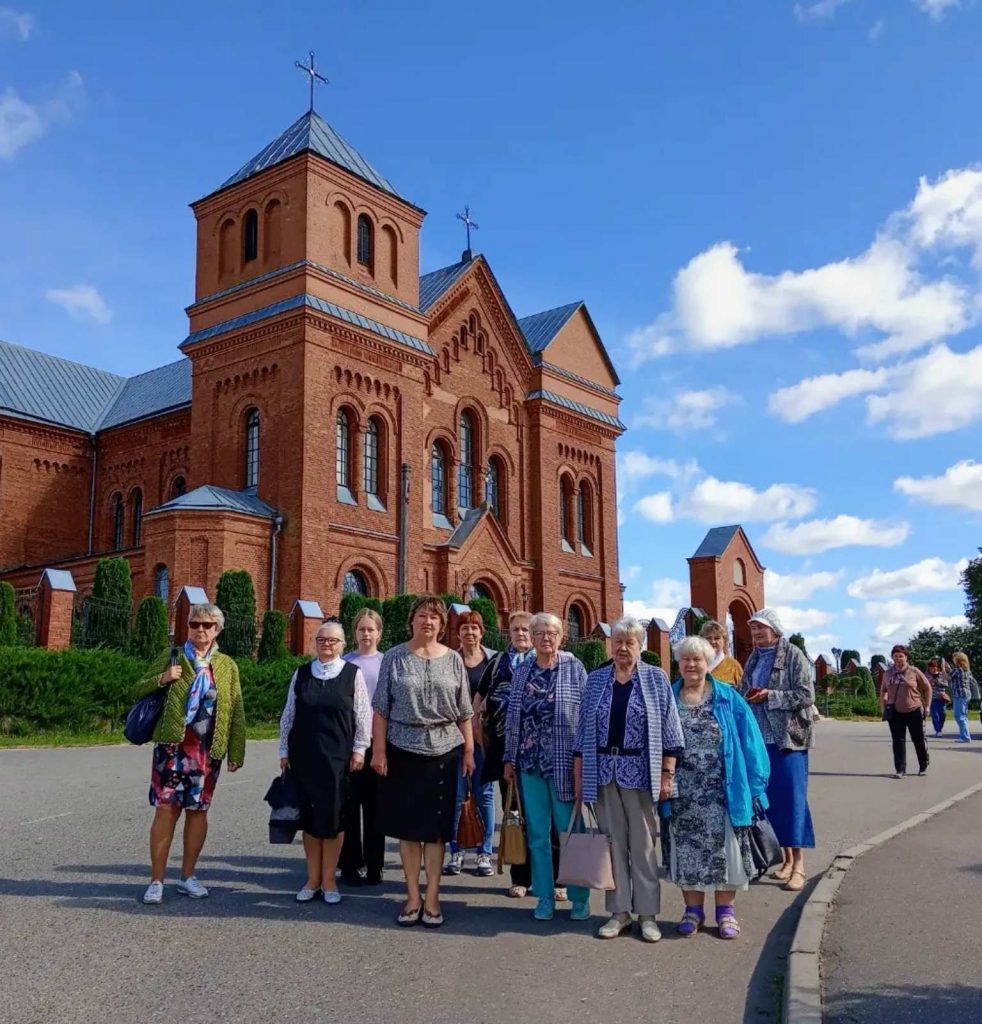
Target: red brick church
point(471, 451)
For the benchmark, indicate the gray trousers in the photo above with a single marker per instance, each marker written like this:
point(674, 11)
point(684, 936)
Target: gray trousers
point(628, 817)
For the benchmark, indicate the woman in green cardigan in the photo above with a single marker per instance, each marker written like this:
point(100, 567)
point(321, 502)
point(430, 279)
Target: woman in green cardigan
point(203, 721)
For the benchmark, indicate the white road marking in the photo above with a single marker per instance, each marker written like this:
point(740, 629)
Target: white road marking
point(50, 817)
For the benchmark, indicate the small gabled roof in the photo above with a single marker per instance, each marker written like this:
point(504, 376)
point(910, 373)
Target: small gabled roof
point(310, 133)
point(210, 498)
point(540, 328)
point(49, 389)
point(151, 393)
point(716, 542)
point(468, 521)
point(435, 284)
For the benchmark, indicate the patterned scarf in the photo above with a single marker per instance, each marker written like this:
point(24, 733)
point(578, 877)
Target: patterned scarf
point(516, 658)
point(202, 678)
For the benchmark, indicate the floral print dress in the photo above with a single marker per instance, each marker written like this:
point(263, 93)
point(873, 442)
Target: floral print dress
point(707, 853)
point(185, 774)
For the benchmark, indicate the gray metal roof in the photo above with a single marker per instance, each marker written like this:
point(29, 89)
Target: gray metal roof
point(210, 498)
point(466, 526)
point(569, 375)
point(59, 579)
point(150, 394)
point(306, 299)
point(716, 542)
point(540, 328)
point(49, 389)
point(436, 282)
point(583, 410)
point(311, 133)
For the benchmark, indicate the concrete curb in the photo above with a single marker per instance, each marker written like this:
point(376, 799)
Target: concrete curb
point(803, 983)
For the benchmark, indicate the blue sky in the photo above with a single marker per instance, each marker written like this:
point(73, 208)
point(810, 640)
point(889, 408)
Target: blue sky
point(773, 211)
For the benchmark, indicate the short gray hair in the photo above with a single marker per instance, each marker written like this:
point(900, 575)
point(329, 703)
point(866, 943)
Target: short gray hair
point(209, 611)
point(331, 624)
point(546, 619)
point(629, 625)
point(694, 645)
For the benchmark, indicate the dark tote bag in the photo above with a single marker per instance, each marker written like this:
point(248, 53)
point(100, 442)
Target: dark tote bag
point(141, 719)
point(764, 846)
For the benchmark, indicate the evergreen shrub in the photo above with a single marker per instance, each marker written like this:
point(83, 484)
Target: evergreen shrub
point(272, 643)
point(150, 630)
point(8, 616)
point(236, 596)
point(651, 658)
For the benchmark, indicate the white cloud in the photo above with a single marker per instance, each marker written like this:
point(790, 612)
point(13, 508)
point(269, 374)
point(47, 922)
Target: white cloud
point(799, 401)
point(897, 620)
point(928, 574)
point(818, 9)
point(666, 596)
point(718, 501)
point(800, 620)
point(818, 535)
point(657, 508)
point(959, 487)
point(936, 8)
point(82, 302)
point(630, 572)
point(781, 588)
point(877, 29)
point(22, 123)
point(686, 410)
point(16, 23)
point(636, 465)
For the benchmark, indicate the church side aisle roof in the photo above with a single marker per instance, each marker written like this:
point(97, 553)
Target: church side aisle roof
point(583, 410)
point(210, 498)
point(311, 133)
point(151, 393)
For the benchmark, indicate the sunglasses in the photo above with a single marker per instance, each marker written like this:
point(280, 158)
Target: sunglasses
point(202, 625)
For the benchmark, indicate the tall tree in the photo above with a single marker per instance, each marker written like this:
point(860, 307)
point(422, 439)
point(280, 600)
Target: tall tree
point(799, 641)
point(971, 580)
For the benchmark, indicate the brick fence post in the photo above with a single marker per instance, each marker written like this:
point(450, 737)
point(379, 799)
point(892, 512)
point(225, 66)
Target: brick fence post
point(659, 641)
point(305, 619)
point(57, 604)
point(182, 606)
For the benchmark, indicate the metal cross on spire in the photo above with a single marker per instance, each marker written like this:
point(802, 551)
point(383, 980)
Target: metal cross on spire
point(311, 71)
point(468, 223)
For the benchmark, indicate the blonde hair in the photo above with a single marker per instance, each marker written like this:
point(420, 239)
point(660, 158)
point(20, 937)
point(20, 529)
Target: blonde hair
point(368, 613)
point(960, 658)
point(525, 617)
point(714, 628)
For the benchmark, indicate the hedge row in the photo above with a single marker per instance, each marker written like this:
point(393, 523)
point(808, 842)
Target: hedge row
point(90, 691)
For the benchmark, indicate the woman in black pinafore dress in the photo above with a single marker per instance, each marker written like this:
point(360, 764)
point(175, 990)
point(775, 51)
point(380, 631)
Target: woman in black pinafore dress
point(325, 730)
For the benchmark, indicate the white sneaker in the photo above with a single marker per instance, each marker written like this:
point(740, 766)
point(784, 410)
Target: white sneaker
point(190, 886)
point(154, 893)
point(332, 896)
point(484, 868)
point(455, 864)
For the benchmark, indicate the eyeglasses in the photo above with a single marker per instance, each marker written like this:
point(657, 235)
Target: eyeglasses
point(202, 625)
point(550, 635)
point(332, 640)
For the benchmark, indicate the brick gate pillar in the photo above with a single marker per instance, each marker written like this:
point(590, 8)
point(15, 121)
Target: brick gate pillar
point(305, 618)
point(659, 641)
point(185, 599)
point(56, 606)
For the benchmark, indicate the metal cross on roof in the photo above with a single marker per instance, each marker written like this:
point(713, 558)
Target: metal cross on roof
point(468, 223)
point(311, 71)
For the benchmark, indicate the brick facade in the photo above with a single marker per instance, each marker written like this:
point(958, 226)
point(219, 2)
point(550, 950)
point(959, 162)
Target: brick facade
point(546, 422)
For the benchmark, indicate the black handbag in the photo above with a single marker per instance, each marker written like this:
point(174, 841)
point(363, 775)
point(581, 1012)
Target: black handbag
point(141, 719)
point(284, 815)
point(764, 846)
point(888, 710)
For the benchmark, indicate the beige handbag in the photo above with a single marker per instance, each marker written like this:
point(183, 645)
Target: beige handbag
point(584, 856)
point(511, 846)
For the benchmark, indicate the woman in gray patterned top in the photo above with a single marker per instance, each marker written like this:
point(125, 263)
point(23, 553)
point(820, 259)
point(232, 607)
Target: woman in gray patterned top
point(422, 716)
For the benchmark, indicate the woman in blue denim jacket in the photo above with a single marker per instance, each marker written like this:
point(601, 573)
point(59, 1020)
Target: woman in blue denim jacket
point(721, 775)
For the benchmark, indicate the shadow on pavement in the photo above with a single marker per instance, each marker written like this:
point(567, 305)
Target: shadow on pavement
point(954, 1004)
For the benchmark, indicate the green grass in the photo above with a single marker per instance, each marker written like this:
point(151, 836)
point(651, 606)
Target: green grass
point(54, 738)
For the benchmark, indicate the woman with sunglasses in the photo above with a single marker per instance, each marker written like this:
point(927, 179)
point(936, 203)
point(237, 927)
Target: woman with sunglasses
point(202, 721)
point(325, 730)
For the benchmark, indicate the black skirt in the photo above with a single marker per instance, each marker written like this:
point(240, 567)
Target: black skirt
point(418, 795)
point(325, 801)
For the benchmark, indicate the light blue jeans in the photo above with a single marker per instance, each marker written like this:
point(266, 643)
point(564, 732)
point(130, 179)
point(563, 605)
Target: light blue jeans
point(959, 708)
point(483, 796)
point(542, 807)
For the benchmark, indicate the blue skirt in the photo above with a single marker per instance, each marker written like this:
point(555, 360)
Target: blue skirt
point(787, 795)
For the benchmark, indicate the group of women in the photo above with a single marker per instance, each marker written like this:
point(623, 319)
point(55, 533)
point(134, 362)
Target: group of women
point(388, 745)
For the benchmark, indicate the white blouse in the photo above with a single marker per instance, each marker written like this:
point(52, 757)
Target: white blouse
point(326, 670)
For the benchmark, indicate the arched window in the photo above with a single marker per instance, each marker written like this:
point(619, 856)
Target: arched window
point(118, 521)
point(161, 583)
point(373, 466)
point(226, 248)
point(137, 515)
point(584, 518)
point(178, 487)
point(252, 448)
point(574, 624)
point(465, 468)
point(739, 573)
point(438, 482)
point(342, 449)
point(366, 246)
point(250, 236)
point(273, 231)
point(355, 582)
point(566, 513)
point(493, 487)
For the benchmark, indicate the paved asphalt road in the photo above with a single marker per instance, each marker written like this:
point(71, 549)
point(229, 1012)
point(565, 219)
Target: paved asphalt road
point(77, 945)
point(904, 941)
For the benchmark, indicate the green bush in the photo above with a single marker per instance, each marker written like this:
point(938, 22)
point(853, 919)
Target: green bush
point(650, 658)
point(8, 616)
point(395, 620)
point(236, 597)
point(151, 632)
point(112, 583)
point(272, 643)
point(846, 705)
point(449, 599)
point(351, 605)
point(264, 687)
point(106, 614)
point(592, 653)
point(488, 611)
point(69, 690)
point(26, 631)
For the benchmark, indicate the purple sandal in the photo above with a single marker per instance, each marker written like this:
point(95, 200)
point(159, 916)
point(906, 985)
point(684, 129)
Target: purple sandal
point(729, 927)
point(692, 921)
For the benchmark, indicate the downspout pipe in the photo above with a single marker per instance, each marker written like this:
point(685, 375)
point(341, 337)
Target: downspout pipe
point(277, 527)
point(95, 467)
point(402, 577)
